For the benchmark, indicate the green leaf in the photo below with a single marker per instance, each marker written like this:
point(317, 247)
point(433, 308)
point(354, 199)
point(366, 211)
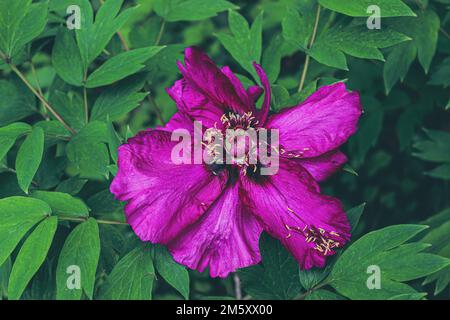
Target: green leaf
point(31, 256)
point(18, 215)
point(29, 158)
point(11, 14)
point(441, 76)
point(245, 43)
point(176, 275)
point(398, 262)
point(5, 270)
point(277, 277)
point(310, 278)
point(424, 31)
point(323, 294)
point(298, 26)
point(354, 40)
point(31, 26)
point(88, 153)
point(93, 37)
point(354, 214)
point(17, 101)
point(66, 58)
point(359, 8)
point(435, 147)
point(190, 10)
point(70, 107)
point(9, 135)
point(119, 99)
point(121, 66)
point(81, 249)
point(441, 172)
point(20, 22)
point(114, 141)
point(132, 277)
point(62, 203)
point(439, 237)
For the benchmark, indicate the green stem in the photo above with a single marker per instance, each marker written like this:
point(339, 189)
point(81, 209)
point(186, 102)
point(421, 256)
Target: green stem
point(161, 32)
point(308, 58)
point(86, 107)
point(37, 94)
point(307, 293)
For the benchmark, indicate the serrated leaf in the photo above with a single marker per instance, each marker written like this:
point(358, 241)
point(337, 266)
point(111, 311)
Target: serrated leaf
point(81, 249)
point(120, 66)
point(132, 277)
point(398, 262)
point(9, 135)
point(18, 215)
point(176, 275)
point(359, 8)
point(190, 10)
point(31, 256)
point(62, 203)
point(244, 43)
point(66, 58)
point(29, 158)
point(330, 47)
point(277, 277)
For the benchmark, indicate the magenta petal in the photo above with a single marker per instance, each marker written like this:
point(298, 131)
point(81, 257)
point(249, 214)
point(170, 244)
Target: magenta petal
point(291, 209)
point(264, 112)
point(325, 165)
point(320, 124)
point(224, 239)
point(195, 104)
point(254, 92)
point(163, 198)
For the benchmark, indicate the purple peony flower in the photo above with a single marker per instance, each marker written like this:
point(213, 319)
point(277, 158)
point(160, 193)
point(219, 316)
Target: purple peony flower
point(212, 215)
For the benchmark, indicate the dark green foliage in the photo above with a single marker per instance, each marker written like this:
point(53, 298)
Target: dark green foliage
point(69, 98)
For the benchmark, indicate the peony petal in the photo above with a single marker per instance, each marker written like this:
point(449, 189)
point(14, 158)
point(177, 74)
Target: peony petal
point(254, 92)
point(163, 198)
point(325, 165)
point(195, 104)
point(291, 209)
point(265, 108)
point(206, 92)
point(224, 239)
point(320, 124)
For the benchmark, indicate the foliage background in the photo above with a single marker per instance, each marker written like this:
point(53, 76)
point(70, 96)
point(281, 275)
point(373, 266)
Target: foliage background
point(52, 179)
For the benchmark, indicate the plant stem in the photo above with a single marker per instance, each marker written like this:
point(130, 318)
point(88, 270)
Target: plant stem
point(237, 286)
point(161, 32)
point(311, 42)
point(86, 107)
point(307, 293)
point(15, 172)
point(153, 104)
point(82, 219)
point(38, 95)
